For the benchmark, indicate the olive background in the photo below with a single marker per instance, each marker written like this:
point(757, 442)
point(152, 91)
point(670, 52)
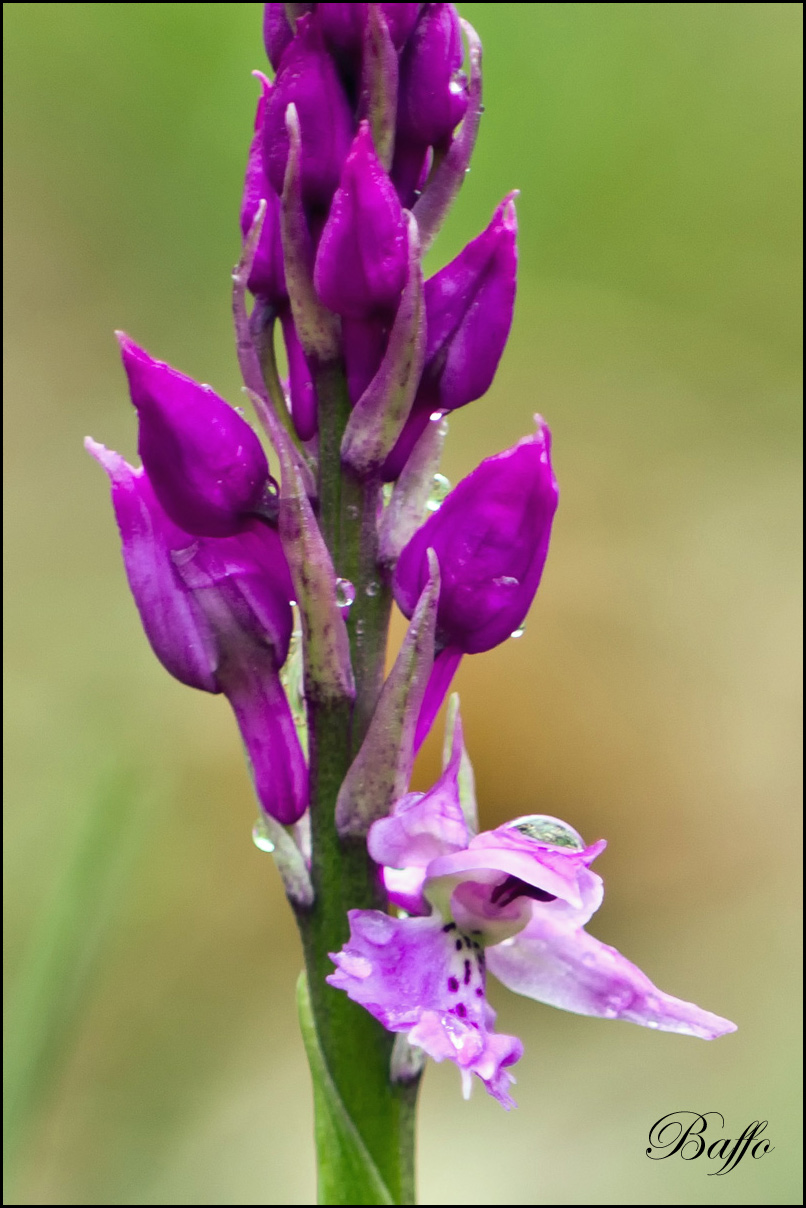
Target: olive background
point(153, 1049)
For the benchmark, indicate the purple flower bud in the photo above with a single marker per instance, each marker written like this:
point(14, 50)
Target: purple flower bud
point(433, 93)
point(344, 24)
point(491, 536)
point(217, 614)
point(361, 264)
point(300, 383)
point(308, 79)
point(469, 306)
point(267, 277)
point(364, 342)
point(206, 465)
point(174, 624)
point(277, 32)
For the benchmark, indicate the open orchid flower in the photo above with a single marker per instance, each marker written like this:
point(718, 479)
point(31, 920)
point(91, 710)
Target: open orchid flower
point(514, 900)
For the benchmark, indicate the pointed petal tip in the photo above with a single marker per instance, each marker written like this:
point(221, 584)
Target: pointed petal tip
point(108, 459)
point(264, 81)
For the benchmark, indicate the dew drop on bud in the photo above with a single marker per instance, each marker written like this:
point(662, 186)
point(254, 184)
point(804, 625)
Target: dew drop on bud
point(260, 835)
point(345, 593)
point(352, 511)
point(519, 632)
point(372, 588)
point(441, 488)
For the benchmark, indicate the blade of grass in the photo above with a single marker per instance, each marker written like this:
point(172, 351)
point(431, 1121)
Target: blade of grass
point(49, 994)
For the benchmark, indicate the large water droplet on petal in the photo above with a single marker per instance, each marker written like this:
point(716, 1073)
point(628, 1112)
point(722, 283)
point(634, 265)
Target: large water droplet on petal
point(547, 830)
point(260, 835)
point(519, 632)
point(345, 593)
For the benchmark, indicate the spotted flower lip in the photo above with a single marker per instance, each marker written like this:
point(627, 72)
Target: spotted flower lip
point(514, 900)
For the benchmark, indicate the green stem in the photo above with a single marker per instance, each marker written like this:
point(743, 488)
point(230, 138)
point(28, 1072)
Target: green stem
point(356, 1048)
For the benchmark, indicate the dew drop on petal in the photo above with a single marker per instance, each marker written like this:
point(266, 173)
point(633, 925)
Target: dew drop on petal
point(547, 830)
point(519, 632)
point(260, 835)
point(345, 593)
point(436, 416)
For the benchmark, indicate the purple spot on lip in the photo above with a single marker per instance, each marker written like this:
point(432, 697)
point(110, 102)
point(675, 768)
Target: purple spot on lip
point(461, 1010)
point(453, 985)
point(467, 972)
point(479, 992)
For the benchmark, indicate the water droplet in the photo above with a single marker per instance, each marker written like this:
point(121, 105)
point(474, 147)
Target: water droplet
point(519, 632)
point(352, 511)
point(359, 627)
point(260, 835)
point(507, 581)
point(443, 427)
point(435, 416)
point(345, 593)
point(240, 410)
point(372, 588)
point(547, 830)
point(441, 488)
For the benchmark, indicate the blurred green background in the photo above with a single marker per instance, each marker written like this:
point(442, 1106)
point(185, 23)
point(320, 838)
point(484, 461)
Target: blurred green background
point(150, 956)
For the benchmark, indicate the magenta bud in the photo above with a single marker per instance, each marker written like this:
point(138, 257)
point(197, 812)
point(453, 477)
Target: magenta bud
point(206, 465)
point(432, 96)
point(361, 264)
point(344, 24)
point(267, 276)
point(468, 306)
point(308, 79)
point(277, 32)
point(491, 536)
point(217, 614)
point(300, 384)
point(173, 622)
